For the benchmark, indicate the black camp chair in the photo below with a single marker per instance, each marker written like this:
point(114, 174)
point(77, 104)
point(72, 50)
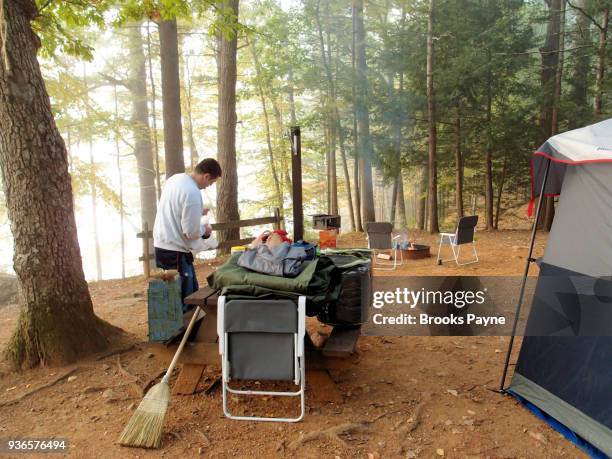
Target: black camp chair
point(262, 340)
point(464, 234)
point(380, 239)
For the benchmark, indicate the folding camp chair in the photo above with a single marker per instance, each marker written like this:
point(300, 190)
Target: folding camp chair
point(464, 234)
point(380, 239)
point(262, 340)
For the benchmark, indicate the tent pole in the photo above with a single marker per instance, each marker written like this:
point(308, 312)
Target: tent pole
point(530, 260)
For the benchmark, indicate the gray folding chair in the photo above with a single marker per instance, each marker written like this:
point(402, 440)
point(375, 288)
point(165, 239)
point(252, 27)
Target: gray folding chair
point(262, 340)
point(464, 234)
point(380, 239)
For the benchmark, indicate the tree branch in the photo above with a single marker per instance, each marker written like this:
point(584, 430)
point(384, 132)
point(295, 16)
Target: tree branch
point(587, 15)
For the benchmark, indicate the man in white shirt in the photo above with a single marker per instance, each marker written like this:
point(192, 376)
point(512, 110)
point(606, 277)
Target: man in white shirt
point(178, 230)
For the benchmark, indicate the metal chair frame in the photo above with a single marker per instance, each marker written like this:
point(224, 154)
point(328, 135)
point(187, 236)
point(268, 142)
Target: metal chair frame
point(299, 367)
point(451, 239)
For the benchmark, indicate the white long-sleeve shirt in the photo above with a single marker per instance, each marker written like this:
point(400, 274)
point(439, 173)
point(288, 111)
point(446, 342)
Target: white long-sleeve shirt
point(179, 214)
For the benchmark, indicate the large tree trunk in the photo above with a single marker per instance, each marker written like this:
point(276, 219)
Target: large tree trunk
point(432, 134)
point(329, 103)
point(171, 97)
point(363, 121)
point(550, 61)
point(347, 177)
point(397, 199)
point(549, 213)
point(57, 323)
point(500, 190)
point(356, 174)
point(345, 169)
point(422, 199)
point(581, 72)
point(93, 188)
point(153, 109)
point(120, 176)
point(227, 187)
point(601, 62)
point(458, 164)
point(401, 202)
point(139, 122)
point(489, 151)
point(186, 101)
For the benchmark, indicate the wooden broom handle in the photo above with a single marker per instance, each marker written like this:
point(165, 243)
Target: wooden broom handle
point(177, 355)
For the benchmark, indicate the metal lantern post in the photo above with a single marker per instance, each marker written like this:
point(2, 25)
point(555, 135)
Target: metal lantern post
point(296, 180)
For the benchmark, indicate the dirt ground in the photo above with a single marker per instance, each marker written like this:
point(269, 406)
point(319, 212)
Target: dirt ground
point(403, 397)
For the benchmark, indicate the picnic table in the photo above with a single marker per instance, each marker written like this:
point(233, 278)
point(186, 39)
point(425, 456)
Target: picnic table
point(202, 351)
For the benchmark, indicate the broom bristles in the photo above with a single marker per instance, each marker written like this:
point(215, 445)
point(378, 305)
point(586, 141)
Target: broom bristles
point(144, 430)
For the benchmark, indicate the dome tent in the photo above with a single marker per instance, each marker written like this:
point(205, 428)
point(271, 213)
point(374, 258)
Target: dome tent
point(564, 369)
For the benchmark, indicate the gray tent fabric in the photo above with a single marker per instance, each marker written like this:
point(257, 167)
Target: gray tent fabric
point(590, 144)
point(581, 236)
point(565, 363)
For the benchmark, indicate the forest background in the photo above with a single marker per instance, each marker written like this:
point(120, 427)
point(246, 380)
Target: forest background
point(411, 111)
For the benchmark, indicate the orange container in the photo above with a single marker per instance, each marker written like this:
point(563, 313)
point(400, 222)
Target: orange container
point(327, 239)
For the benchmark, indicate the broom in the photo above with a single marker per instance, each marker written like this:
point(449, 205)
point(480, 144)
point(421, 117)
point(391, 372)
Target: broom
point(145, 427)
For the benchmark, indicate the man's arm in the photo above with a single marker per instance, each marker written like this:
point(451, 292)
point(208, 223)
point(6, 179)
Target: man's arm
point(190, 219)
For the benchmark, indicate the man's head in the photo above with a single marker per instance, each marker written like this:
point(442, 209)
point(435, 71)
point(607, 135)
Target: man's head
point(206, 173)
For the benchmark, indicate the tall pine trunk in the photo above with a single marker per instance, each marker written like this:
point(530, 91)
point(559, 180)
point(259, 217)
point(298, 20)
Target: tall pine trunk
point(489, 150)
point(120, 176)
point(458, 164)
point(171, 97)
point(56, 322)
point(355, 136)
point(153, 109)
point(401, 202)
point(432, 133)
point(139, 122)
point(601, 62)
point(363, 121)
point(186, 101)
point(227, 187)
point(581, 72)
point(343, 156)
point(550, 61)
point(421, 220)
point(329, 104)
point(93, 188)
point(500, 190)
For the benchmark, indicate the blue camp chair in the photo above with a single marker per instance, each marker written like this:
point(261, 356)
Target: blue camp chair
point(262, 340)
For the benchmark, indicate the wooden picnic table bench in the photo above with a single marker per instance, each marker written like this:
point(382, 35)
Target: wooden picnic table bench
point(203, 350)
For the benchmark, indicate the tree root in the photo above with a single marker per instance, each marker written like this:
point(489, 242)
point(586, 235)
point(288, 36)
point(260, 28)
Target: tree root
point(413, 422)
point(333, 434)
point(39, 388)
point(135, 380)
point(112, 352)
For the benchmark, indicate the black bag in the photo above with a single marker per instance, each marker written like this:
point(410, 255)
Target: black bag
point(352, 307)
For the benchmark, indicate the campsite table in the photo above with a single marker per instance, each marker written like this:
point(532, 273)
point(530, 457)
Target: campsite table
point(203, 350)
